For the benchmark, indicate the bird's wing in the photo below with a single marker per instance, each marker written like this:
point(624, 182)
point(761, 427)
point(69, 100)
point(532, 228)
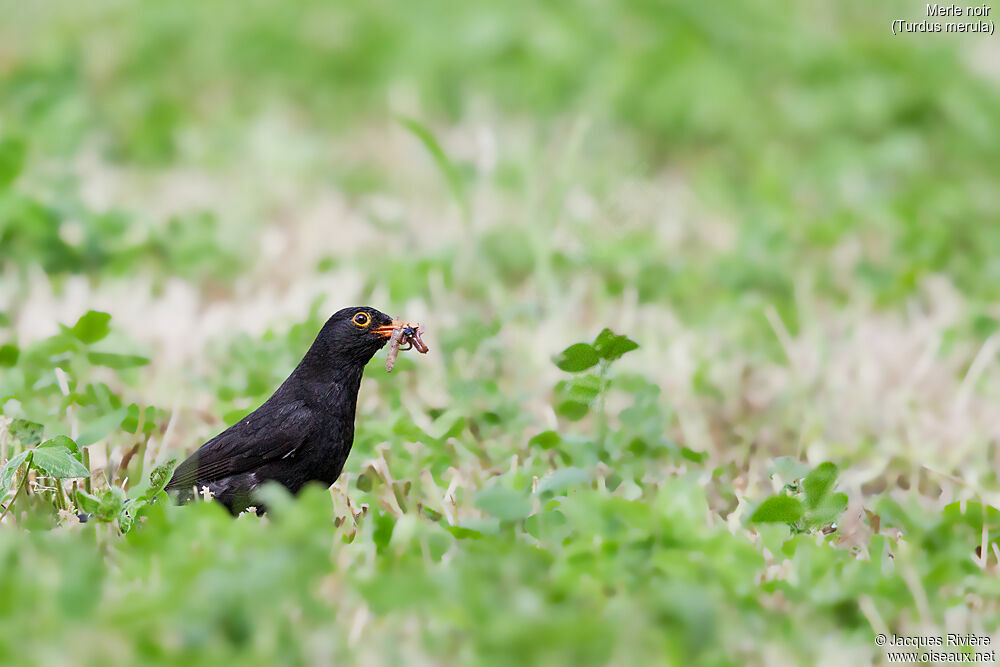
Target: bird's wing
point(264, 435)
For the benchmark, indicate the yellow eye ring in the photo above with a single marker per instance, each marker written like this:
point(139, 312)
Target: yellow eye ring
point(362, 320)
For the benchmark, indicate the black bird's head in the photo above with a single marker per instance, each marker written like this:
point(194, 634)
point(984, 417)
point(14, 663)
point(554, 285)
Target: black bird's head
point(353, 335)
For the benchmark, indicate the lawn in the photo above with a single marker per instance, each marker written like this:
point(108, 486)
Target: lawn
point(712, 297)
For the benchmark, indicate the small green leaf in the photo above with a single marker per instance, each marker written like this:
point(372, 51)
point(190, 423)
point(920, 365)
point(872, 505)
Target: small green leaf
point(101, 427)
point(117, 361)
point(576, 358)
point(546, 440)
point(111, 504)
point(828, 510)
point(87, 503)
point(611, 346)
point(92, 327)
point(158, 479)
point(13, 463)
point(131, 422)
point(572, 410)
point(12, 152)
point(9, 355)
point(126, 518)
point(364, 482)
point(562, 479)
point(582, 388)
point(692, 455)
point(384, 525)
point(128, 513)
point(464, 533)
point(504, 504)
point(778, 509)
point(149, 420)
point(28, 433)
point(62, 441)
point(818, 483)
point(54, 346)
point(58, 462)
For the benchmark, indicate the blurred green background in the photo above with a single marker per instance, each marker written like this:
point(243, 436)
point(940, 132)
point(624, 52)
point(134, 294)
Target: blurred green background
point(792, 212)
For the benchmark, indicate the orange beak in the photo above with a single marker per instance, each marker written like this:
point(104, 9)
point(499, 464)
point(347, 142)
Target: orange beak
point(386, 331)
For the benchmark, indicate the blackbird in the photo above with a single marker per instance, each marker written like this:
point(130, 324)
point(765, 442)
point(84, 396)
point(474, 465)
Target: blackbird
point(304, 431)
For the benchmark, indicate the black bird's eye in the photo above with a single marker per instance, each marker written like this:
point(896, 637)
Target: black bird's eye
point(362, 320)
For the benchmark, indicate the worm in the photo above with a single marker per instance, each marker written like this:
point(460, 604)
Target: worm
point(394, 340)
point(413, 340)
point(408, 334)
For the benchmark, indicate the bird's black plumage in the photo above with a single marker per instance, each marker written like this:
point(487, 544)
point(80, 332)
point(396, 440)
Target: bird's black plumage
point(304, 431)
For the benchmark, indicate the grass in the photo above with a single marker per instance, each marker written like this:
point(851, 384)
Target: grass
point(800, 453)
